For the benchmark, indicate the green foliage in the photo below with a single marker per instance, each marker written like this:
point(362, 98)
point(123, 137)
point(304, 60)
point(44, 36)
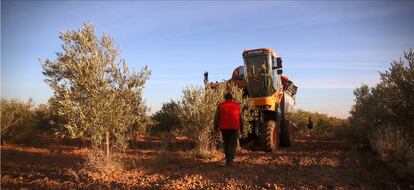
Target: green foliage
point(198, 107)
point(46, 119)
point(384, 114)
point(168, 118)
point(95, 93)
point(322, 123)
point(21, 121)
point(392, 141)
point(390, 102)
point(15, 117)
point(193, 115)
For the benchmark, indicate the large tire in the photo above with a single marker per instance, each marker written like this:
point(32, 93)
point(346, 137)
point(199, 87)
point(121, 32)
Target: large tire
point(287, 134)
point(269, 136)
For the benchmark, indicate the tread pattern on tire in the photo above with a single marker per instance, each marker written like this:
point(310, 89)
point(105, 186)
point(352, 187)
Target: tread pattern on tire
point(270, 137)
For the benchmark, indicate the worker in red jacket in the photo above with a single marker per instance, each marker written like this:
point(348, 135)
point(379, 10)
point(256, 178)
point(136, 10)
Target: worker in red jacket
point(228, 119)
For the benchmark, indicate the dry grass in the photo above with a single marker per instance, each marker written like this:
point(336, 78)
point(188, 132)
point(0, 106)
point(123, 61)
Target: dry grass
point(391, 140)
point(96, 161)
point(162, 154)
point(392, 143)
point(206, 146)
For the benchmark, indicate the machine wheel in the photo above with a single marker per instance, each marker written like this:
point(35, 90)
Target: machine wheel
point(287, 134)
point(269, 136)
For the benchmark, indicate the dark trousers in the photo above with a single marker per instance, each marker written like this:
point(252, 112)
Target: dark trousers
point(229, 143)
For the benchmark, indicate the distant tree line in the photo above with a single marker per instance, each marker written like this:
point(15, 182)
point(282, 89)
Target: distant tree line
point(322, 123)
point(20, 119)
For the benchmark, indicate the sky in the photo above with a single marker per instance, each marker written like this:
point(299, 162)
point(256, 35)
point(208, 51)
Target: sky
point(328, 48)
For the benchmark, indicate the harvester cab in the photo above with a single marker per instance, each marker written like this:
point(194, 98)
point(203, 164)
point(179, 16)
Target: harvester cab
point(262, 72)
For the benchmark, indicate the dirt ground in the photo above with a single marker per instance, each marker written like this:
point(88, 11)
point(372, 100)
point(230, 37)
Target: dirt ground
point(318, 162)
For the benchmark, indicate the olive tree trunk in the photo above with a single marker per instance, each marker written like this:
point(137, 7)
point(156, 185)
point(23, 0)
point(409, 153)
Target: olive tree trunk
point(107, 144)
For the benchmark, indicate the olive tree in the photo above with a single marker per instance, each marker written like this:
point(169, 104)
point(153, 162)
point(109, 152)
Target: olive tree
point(384, 113)
point(198, 106)
point(392, 97)
point(167, 119)
point(15, 116)
point(93, 90)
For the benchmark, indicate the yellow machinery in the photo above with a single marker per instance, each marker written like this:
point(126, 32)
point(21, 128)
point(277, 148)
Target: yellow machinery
point(271, 93)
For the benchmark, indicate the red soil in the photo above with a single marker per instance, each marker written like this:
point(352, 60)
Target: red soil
point(320, 162)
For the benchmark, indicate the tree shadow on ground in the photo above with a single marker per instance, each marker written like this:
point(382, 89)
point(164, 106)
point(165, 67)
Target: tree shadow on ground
point(305, 169)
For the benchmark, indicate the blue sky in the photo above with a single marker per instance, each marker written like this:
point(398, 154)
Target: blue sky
point(328, 48)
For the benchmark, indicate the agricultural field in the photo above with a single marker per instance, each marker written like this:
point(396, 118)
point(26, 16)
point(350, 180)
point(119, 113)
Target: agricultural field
point(317, 162)
point(311, 95)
